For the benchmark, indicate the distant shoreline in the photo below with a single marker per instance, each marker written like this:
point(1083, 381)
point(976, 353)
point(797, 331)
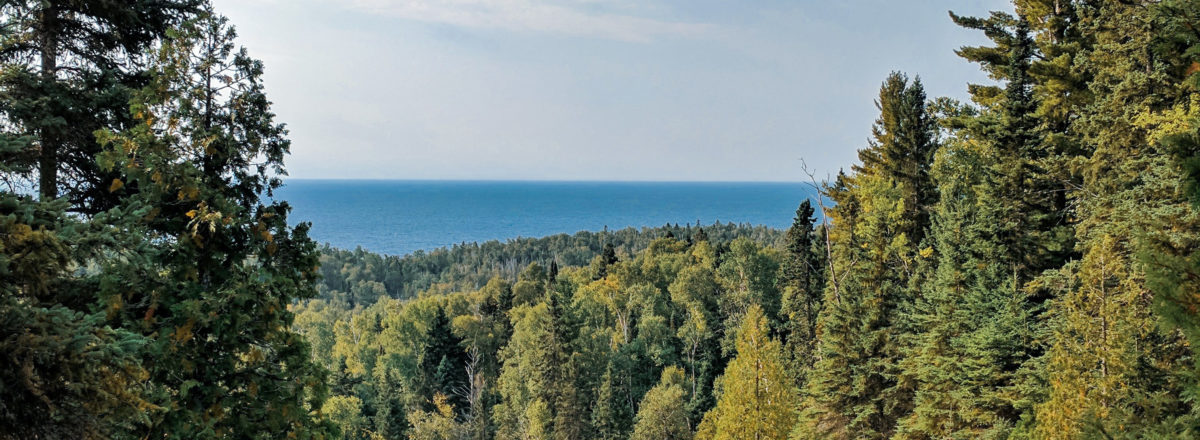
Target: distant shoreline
point(717, 182)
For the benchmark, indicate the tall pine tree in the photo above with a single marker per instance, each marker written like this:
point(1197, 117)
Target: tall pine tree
point(881, 216)
point(803, 291)
point(211, 284)
point(995, 229)
point(1112, 369)
point(71, 68)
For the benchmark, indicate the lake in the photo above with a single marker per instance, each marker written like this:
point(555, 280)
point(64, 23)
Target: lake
point(398, 217)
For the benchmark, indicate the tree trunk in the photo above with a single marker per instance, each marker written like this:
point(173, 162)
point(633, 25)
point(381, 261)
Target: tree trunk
point(48, 137)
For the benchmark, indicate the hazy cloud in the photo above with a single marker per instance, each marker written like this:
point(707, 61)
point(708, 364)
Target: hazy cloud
point(609, 20)
point(527, 89)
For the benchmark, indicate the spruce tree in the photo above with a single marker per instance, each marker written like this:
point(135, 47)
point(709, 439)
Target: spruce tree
point(443, 364)
point(537, 381)
point(880, 218)
point(957, 360)
point(803, 291)
point(608, 257)
point(1113, 368)
point(1172, 254)
point(995, 230)
point(211, 284)
point(67, 373)
point(525, 382)
point(71, 68)
point(612, 416)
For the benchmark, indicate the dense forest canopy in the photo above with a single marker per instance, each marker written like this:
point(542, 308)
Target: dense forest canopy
point(1025, 264)
point(359, 277)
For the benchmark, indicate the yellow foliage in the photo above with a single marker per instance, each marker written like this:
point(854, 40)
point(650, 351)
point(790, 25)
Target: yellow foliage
point(759, 396)
point(184, 332)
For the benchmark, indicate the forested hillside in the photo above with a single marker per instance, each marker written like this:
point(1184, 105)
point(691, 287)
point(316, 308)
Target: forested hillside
point(1022, 265)
point(359, 277)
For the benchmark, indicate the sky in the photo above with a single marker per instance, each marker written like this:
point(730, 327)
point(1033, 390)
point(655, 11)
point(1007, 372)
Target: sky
point(645, 90)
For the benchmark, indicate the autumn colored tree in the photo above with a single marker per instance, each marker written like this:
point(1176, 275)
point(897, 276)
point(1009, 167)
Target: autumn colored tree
point(662, 414)
point(757, 398)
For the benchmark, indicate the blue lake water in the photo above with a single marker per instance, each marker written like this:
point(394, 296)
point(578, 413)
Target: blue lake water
point(398, 217)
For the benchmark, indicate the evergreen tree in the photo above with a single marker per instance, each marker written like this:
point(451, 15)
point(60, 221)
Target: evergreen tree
point(211, 284)
point(880, 217)
point(804, 285)
point(71, 68)
point(67, 374)
point(995, 230)
point(901, 151)
point(608, 257)
point(444, 363)
point(1171, 253)
point(958, 359)
point(569, 412)
point(612, 415)
point(1113, 369)
point(535, 383)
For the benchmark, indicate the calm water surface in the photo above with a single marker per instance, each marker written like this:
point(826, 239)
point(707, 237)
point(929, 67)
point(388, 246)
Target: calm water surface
point(398, 217)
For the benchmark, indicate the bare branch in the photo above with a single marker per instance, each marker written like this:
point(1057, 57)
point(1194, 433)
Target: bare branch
point(820, 189)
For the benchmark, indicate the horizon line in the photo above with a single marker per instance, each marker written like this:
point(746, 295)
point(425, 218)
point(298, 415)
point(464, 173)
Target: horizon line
point(353, 179)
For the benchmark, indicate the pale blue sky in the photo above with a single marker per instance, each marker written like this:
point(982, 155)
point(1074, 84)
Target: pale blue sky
point(694, 90)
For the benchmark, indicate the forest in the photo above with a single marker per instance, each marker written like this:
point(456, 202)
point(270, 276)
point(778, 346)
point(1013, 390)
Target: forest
point(360, 277)
point(1022, 264)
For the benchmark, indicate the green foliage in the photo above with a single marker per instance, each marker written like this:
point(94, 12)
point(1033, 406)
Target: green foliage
point(572, 357)
point(159, 307)
point(347, 413)
point(1022, 266)
point(996, 228)
point(855, 390)
point(67, 374)
point(1115, 369)
point(443, 363)
point(438, 424)
point(757, 397)
point(526, 381)
point(1172, 254)
point(70, 68)
point(803, 283)
point(211, 285)
point(661, 414)
point(358, 277)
